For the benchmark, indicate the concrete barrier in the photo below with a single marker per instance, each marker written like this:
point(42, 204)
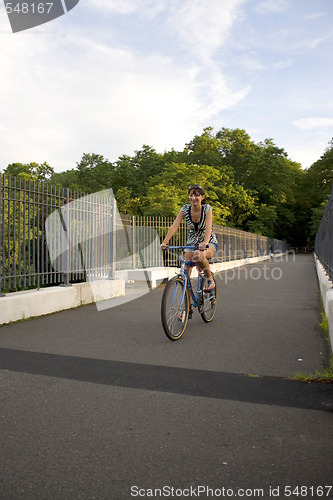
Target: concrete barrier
point(22, 305)
point(155, 275)
point(326, 289)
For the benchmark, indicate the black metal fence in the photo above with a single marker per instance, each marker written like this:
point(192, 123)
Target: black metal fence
point(24, 207)
point(324, 239)
point(51, 235)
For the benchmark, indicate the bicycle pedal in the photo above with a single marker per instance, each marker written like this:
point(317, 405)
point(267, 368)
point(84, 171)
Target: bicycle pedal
point(190, 314)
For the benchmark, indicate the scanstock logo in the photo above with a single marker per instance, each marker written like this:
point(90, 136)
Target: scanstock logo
point(24, 15)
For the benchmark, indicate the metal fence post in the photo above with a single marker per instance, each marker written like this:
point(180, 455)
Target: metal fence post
point(323, 246)
point(64, 216)
point(1, 229)
point(113, 239)
point(133, 240)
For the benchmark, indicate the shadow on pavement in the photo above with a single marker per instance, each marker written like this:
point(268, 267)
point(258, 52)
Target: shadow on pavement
point(219, 385)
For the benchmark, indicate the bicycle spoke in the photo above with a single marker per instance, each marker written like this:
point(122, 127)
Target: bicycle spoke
point(175, 308)
point(208, 303)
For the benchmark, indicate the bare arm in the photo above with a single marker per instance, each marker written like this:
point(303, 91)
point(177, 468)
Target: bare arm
point(209, 226)
point(173, 229)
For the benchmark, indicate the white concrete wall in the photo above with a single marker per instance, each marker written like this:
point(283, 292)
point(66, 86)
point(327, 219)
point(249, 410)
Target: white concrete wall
point(21, 305)
point(326, 289)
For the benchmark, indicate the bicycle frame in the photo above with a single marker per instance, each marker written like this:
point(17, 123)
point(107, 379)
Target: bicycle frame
point(179, 298)
point(187, 281)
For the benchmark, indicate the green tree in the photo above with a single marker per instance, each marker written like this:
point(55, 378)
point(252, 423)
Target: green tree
point(313, 192)
point(204, 149)
point(271, 174)
point(316, 217)
point(237, 150)
point(319, 178)
point(264, 222)
point(169, 191)
point(148, 163)
point(68, 179)
point(94, 173)
point(16, 169)
point(42, 171)
point(263, 170)
point(225, 148)
point(126, 203)
point(34, 171)
point(136, 172)
point(125, 175)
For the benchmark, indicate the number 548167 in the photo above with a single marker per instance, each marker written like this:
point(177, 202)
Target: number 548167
point(29, 8)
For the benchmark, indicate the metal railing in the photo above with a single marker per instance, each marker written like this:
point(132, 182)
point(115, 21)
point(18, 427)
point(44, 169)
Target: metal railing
point(324, 239)
point(24, 207)
point(51, 236)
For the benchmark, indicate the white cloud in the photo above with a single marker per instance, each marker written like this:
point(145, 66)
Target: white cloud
point(250, 62)
point(94, 98)
point(313, 123)
point(90, 97)
point(272, 6)
point(121, 6)
point(220, 94)
point(203, 26)
point(65, 94)
point(315, 15)
point(283, 64)
point(129, 6)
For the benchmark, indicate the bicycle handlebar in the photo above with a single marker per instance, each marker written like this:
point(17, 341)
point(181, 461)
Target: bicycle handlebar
point(192, 247)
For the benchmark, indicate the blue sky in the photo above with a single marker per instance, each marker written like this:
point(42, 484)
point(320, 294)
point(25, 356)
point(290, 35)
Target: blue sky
point(112, 75)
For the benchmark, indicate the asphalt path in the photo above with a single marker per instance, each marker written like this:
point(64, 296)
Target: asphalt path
point(101, 405)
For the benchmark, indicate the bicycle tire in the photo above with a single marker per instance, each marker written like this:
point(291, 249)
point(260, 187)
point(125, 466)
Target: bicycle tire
point(208, 302)
point(173, 326)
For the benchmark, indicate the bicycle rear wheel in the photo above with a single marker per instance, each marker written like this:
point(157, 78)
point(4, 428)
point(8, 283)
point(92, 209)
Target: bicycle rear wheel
point(175, 308)
point(208, 302)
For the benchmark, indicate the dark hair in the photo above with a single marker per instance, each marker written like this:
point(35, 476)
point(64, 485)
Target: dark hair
point(198, 189)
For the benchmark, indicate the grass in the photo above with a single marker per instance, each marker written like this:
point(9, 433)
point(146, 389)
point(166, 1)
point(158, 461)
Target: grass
point(325, 376)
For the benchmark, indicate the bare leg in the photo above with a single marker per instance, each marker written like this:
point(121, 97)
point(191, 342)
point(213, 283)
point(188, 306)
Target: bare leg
point(189, 257)
point(201, 259)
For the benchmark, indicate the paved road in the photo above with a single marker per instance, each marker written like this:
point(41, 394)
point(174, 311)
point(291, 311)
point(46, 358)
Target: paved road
point(101, 405)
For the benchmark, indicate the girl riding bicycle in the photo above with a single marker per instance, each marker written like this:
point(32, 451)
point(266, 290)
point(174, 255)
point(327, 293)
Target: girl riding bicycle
point(199, 217)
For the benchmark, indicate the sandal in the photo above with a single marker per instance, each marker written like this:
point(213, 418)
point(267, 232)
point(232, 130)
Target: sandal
point(210, 286)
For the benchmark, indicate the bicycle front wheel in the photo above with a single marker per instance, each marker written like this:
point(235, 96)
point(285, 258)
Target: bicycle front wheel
point(208, 302)
point(175, 308)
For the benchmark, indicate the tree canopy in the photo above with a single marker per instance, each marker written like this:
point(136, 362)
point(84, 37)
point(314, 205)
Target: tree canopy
point(251, 186)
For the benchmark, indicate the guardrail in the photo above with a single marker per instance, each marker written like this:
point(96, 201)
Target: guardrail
point(324, 239)
point(51, 235)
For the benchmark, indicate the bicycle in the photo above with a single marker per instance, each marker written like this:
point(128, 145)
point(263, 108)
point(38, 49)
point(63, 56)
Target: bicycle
point(176, 308)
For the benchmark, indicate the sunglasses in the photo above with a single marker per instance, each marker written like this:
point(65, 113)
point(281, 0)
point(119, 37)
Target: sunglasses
point(195, 186)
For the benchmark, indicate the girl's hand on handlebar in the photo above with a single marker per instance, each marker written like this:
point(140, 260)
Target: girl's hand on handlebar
point(202, 246)
point(164, 246)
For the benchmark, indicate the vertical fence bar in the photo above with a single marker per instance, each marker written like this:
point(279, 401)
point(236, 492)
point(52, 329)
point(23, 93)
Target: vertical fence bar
point(323, 246)
point(2, 226)
point(113, 239)
point(8, 233)
point(65, 238)
point(133, 224)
